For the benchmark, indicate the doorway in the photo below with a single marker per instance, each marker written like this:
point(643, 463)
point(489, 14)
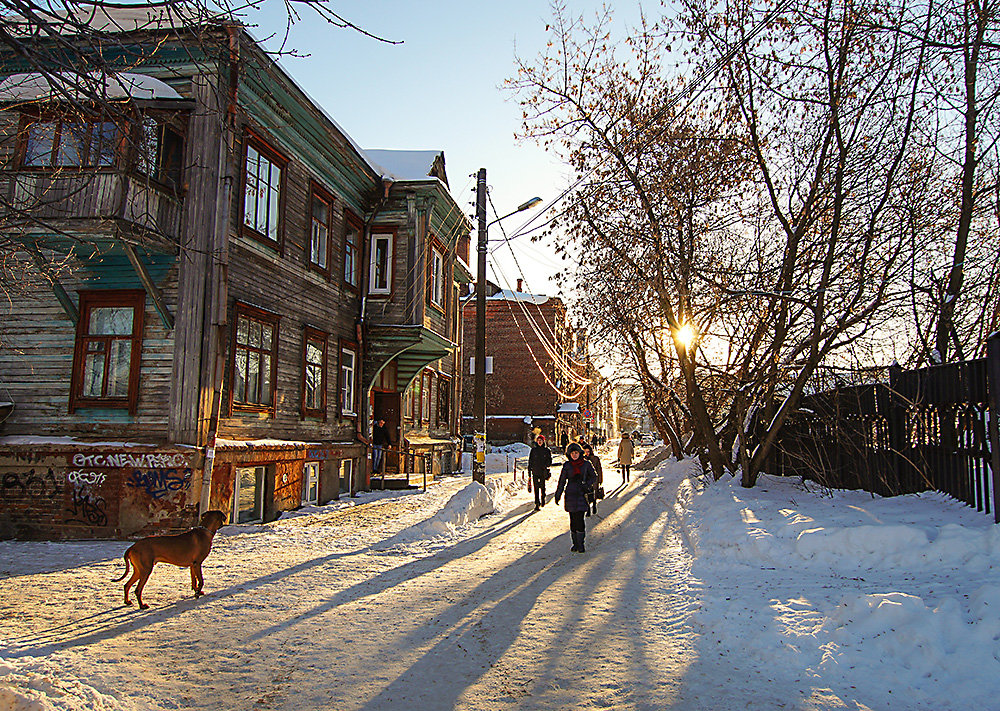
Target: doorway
point(387, 407)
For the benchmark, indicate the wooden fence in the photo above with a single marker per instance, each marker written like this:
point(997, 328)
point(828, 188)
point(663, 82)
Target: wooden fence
point(931, 428)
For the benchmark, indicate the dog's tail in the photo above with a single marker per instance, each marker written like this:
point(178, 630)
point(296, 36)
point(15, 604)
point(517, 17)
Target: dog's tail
point(118, 580)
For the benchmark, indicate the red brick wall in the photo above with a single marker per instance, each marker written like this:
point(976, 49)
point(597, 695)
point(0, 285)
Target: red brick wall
point(59, 492)
point(517, 385)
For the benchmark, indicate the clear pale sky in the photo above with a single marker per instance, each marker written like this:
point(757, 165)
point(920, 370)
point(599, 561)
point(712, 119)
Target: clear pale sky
point(440, 89)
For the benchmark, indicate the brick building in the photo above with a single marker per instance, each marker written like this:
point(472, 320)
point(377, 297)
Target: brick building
point(542, 376)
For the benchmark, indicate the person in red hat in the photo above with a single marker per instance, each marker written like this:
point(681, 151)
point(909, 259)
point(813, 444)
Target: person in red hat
point(539, 461)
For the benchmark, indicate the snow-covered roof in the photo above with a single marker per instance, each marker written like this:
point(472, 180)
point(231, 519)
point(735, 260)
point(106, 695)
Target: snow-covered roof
point(34, 86)
point(404, 165)
point(568, 407)
point(509, 295)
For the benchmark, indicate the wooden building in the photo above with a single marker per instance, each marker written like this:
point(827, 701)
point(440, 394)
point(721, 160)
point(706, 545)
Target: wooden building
point(215, 309)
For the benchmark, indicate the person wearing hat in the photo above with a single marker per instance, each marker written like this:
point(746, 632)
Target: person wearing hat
point(595, 461)
point(539, 461)
point(576, 480)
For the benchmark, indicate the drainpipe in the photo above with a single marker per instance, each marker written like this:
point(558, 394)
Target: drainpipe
point(362, 425)
point(219, 280)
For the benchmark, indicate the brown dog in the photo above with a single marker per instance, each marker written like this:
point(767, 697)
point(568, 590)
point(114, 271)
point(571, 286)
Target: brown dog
point(186, 550)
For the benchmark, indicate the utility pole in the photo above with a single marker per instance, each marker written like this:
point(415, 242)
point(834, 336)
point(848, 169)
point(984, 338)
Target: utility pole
point(479, 466)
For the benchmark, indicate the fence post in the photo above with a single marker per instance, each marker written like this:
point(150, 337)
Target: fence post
point(896, 417)
point(993, 385)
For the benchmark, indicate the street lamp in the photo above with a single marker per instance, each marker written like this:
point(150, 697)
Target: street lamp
point(479, 408)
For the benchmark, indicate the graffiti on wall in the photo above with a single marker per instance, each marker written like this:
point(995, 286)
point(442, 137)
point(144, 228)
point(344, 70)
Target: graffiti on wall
point(126, 460)
point(87, 509)
point(30, 485)
point(160, 482)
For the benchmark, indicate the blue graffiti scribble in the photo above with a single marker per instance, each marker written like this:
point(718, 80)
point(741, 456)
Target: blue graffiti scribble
point(160, 482)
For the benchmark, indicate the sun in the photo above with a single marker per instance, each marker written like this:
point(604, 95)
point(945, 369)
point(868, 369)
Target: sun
point(685, 335)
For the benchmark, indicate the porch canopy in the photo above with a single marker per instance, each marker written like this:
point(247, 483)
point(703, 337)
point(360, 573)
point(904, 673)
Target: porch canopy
point(412, 347)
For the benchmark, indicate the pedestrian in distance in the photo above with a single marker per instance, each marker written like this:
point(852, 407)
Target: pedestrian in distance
point(539, 461)
point(380, 440)
point(626, 450)
point(576, 480)
point(595, 462)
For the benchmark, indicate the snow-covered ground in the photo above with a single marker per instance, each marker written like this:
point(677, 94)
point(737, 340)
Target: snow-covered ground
point(690, 596)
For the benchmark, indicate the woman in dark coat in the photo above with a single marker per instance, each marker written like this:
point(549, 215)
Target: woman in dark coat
point(576, 480)
point(595, 461)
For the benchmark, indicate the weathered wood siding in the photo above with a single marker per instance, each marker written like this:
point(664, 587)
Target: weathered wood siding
point(36, 359)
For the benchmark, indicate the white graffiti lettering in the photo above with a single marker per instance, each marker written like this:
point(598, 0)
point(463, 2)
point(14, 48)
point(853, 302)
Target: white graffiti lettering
point(77, 477)
point(122, 460)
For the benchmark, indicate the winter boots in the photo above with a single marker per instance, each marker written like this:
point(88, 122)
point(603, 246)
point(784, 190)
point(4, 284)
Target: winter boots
point(578, 537)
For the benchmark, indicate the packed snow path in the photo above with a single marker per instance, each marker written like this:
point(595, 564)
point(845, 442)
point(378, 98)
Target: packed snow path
point(505, 617)
point(689, 597)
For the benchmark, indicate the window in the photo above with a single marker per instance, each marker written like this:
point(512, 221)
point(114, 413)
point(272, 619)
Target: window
point(160, 152)
point(107, 353)
point(443, 403)
point(310, 483)
point(262, 192)
point(248, 494)
point(348, 365)
point(321, 212)
point(352, 240)
point(426, 390)
point(381, 264)
point(413, 411)
point(437, 278)
point(255, 346)
point(314, 374)
point(69, 142)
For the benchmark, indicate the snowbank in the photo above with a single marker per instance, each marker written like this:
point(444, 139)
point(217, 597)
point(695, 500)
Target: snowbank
point(893, 600)
point(466, 506)
point(34, 685)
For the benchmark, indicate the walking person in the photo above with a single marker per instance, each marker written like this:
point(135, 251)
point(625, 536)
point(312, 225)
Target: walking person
point(626, 450)
point(539, 461)
point(595, 462)
point(380, 440)
point(576, 480)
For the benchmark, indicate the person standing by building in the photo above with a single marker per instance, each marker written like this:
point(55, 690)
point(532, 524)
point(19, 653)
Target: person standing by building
point(380, 440)
point(576, 480)
point(591, 456)
point(626, 450)
point(539, 461)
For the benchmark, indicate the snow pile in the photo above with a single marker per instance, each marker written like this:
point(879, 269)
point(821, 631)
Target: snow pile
point(892, 601)
point(466, 506)
point(519, 449)
point(31, 685)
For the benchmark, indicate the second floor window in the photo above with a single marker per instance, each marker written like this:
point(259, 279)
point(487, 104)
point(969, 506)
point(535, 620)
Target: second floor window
point(69, 143)
point(437, 278)
point(108, 343)
point(255, 349)
point(319, 233)
point(352, 240)
point(262, 193)
point(426, 390)
point(381, 264)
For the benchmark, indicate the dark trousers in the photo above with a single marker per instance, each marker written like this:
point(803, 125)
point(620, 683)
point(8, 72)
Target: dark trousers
point(576, 521)
point(625, 472)
point(538, 481)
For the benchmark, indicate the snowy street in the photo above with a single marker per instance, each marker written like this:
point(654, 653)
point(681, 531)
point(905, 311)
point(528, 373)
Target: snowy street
point(685, 599)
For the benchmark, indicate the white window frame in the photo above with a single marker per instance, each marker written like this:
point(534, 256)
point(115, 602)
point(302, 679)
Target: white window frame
point(347, 373)
point(373, 287)
point(310, 482)
point(258, 494)
point(437, 278)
